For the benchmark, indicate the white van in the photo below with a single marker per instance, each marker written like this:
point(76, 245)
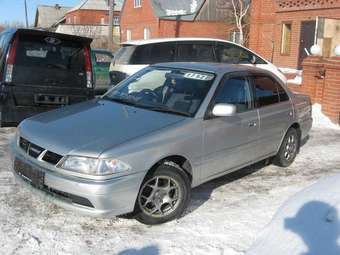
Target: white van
point(135, 55)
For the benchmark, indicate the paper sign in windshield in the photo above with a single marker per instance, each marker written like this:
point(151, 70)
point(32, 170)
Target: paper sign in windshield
point(198, 76)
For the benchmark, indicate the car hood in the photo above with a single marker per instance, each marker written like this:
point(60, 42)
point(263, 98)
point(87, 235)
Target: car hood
point(92, 127)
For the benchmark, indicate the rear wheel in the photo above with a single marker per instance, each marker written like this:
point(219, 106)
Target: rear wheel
point(163, 196)
point(289, 149)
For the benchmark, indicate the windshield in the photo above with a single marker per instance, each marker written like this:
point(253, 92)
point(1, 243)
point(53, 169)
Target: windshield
point(175, 91)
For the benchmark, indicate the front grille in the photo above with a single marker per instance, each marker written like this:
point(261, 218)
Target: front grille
point(35, 151)
point(51, 157)
point(23, 143)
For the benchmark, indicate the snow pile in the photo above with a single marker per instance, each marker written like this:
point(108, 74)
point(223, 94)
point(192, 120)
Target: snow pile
point(297, 80)
point(308, 223)
point(320, 120)
point(287, 70)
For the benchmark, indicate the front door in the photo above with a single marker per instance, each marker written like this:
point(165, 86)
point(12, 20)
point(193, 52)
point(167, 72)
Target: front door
point(306, 40)
point(230, 142)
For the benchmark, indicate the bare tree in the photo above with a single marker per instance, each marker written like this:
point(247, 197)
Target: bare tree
point(240, 10)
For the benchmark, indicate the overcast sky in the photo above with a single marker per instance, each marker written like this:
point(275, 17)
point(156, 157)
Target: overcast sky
point(13, 10)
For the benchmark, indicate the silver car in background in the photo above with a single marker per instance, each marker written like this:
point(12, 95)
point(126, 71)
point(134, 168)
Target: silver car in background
point(142, 146)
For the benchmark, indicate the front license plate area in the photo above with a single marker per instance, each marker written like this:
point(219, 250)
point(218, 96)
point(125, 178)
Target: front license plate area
point(29, 173)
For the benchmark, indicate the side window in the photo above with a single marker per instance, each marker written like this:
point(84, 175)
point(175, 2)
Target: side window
point(233, 54)
point(141, 55)
point(282, 94)
point(236, 91)
point(266, 91)
point(198, 52)
point(162, 52)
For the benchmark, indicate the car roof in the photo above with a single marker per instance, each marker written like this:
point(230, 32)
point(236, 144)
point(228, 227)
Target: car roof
point(47, 33)
point(177, 39)
point(218, 68)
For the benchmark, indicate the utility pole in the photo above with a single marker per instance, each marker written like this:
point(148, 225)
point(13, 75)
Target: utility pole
point(26, 15)
point(110, 39)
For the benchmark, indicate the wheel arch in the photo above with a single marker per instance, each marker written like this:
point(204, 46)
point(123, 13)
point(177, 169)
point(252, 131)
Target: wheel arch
point(182, 162)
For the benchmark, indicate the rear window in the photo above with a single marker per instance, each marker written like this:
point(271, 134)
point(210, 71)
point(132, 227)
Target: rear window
point(54, 62)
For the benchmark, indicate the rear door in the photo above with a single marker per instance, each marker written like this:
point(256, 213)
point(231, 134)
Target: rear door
point(49, 71)
point(275, 111)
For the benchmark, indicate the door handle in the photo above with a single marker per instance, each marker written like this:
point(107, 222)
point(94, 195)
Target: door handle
point(252, 124)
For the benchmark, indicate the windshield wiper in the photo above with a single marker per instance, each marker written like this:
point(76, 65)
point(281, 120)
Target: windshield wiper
point(120, 100)
point(149, 107)
point(168, 110)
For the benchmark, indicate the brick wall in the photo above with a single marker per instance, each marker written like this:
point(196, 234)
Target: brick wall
point(136, 19)
point(266, 28)
point(88, 17)
point(321, 81)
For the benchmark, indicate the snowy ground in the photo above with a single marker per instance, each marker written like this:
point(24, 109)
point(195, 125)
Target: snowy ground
point(225, 215)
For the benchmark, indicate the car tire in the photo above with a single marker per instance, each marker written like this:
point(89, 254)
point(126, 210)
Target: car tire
point(288, 149)
point(163, 196)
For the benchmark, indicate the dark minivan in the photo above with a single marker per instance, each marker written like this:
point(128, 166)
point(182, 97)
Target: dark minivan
point(40, 71)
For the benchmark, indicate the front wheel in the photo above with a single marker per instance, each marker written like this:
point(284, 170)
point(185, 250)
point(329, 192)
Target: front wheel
point(163, 196)
point(289, 149)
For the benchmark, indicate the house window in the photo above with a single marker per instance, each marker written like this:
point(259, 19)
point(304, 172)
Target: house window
point(116, 20)
point(286, 38)
point(138, 3)
point(128, 35)
point(102, 21)
point(146, 33)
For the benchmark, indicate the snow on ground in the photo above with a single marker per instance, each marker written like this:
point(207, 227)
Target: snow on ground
point(224, 217)
point(308, 223)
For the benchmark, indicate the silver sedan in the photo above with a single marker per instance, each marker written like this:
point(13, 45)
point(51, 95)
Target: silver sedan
point(142, 146)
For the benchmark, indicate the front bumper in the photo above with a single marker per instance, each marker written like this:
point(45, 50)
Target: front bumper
point(107, 198)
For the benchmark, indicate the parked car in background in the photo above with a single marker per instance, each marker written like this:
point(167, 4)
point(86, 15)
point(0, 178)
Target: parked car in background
point(164, 130)
point(135, 55)
point(40, 71)
point(101, 60)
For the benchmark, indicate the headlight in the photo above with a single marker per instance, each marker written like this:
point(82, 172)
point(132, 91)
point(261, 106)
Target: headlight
point(93, 166)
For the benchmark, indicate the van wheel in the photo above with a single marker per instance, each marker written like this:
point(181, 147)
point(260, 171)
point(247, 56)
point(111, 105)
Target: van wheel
point(288, 150)
point(163, 196)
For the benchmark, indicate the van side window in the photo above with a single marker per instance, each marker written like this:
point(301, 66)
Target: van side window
point(141, 55)
point(162, 52)
point(236, 91)
point(233, 54)
point(266, 91)
point(198, 52)
point(153, 53)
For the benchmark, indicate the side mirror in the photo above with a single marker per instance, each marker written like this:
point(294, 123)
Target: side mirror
point(224, 110)
point(253, 60)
